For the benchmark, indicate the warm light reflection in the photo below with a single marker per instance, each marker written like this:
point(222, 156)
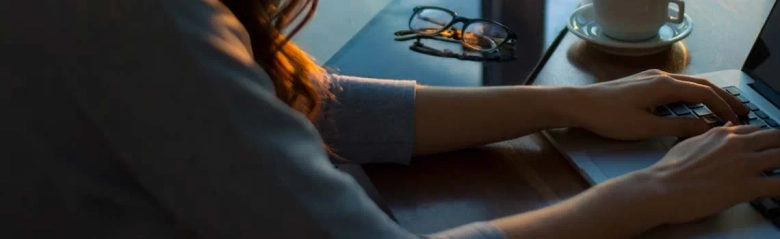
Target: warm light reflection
point(684, 52)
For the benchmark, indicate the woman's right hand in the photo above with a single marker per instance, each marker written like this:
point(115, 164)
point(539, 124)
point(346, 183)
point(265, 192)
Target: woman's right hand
point(716, 170)
point(697, 178)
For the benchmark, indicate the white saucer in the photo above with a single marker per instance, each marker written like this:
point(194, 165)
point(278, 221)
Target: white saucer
point(583, 24)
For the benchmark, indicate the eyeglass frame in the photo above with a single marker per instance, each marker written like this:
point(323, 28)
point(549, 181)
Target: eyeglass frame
point(417, 46)
point(421, 48)
point(510, 38)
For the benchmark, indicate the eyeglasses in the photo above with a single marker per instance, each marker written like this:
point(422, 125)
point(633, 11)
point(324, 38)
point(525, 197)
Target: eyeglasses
point(487, 37)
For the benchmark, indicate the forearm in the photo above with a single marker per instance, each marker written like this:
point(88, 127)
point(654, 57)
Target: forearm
point(449, 118)
point(620, 208)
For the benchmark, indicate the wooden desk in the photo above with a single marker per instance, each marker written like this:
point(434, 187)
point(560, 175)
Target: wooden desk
point(447, 190)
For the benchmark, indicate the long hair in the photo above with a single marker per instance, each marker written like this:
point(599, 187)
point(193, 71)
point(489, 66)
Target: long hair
point(297, 79)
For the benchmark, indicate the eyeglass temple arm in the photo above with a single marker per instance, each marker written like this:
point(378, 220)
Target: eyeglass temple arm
point(405, 35)
point(417, 46)
point(406, 38)
point(407, 32)
point(404, 32)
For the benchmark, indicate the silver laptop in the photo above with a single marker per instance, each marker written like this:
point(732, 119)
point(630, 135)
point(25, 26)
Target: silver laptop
point(757, 85)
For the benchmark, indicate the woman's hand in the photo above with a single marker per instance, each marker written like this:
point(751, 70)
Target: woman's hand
point(711, 172)
point(623, 108)
point(450, 118)
point(697, 178)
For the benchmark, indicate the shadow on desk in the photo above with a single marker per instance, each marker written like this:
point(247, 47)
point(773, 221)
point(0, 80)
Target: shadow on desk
point(442, 191)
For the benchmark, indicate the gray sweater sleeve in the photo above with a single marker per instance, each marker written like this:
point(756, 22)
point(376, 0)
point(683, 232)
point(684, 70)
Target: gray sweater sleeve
point(370, 120)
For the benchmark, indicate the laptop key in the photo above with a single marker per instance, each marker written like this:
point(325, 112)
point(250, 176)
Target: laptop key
point(752, 106)
point(748, 117)
point(679, 109)
point(732, 90)
point(761, 114)
point(662, 111)
point(757, 122)
point(713, 120)
point(743, 99)
point(701, 112)
point(753, 115)
point(694, 106)
point(689, 116)
point(772, 123)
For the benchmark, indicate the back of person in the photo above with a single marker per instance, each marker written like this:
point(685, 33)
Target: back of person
point(61, 173)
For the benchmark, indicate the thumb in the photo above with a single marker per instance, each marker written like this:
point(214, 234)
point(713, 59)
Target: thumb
point(680, 127)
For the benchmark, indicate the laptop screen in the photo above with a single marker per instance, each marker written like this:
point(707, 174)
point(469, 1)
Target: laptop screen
point(763, 63)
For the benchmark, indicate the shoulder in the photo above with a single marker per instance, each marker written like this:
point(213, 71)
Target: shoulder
point(216, 39)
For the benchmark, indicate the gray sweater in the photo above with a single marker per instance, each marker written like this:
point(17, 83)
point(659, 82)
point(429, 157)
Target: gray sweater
point(149, 119)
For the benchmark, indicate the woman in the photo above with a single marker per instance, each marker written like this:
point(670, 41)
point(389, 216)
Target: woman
point(197, 119)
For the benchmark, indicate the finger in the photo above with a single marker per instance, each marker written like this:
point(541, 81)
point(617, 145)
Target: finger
point(653, 72)
point(768, 187)
point(740, 129)
point(763, 140)
point(692, 92)
point(743, 129)
point(766, 160)
point(680, 127)
point(735, 103)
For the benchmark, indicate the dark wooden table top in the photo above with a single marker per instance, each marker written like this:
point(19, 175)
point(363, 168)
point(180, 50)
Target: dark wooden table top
point(446, 190)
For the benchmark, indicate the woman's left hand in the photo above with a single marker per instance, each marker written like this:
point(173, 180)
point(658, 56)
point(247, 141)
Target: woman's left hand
point(623, 108)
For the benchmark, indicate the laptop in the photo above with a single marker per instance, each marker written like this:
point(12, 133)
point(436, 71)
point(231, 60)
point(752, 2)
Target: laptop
point(757, 85)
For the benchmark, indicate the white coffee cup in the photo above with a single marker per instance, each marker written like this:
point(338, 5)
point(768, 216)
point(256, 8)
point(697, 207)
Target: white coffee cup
point(635, 20)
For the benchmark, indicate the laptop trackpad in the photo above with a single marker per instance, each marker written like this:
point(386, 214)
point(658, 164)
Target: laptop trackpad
point(620, 158)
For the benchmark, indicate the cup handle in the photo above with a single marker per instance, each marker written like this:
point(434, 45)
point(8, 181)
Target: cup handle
point(680, 13)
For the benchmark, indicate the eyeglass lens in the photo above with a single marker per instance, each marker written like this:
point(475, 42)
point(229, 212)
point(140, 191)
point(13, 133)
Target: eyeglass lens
point(484, 35)
point(430, 20)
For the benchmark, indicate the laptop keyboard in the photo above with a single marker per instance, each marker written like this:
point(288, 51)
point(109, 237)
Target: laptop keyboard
point(769, 207)
point(698, 110)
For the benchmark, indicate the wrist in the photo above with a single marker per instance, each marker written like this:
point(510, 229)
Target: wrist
point(569, 106)
point(641, 195)
point(626, 204)
point(660, 194)
point(618, 208)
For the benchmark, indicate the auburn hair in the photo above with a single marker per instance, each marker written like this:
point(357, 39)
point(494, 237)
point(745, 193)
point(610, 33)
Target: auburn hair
point(297, 79)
